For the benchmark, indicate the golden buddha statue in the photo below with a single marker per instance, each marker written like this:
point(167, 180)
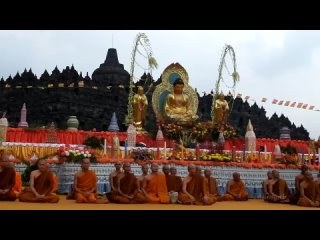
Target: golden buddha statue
point(177, 104)
point(140, 104)
point(221, 111)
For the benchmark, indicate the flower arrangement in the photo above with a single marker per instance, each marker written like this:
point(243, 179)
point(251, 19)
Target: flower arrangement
point(141, 154)
point(215, 157)
point(202, 131)
point(172, 130)
point(94, 142)
point(76, 155)
point(288, 159)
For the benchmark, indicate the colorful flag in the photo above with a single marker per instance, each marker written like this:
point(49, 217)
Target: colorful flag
point(311, 107)
point(293, 104)
point(274, 101)
point(299, 105)
point(280, 103)
point(287, 103)
point(264, 99)
point(305, 106)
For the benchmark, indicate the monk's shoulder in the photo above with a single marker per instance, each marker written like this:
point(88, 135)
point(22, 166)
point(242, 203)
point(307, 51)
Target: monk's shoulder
point(35, 173)
point(187, 179)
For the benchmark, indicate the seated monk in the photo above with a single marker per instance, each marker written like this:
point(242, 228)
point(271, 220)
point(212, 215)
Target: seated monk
point(174, 185)
point(144, 169)
point(236, 189)
point(7, 181)
point(128, 189)
point(298, 181)
point(41, 186)
point(154, 186)
point(211, 193)
point(193, 188)
point(113, 179)
point(308, 192)
point(174, 182)
point(266, 183)
point(85, 184)
point(278, 189)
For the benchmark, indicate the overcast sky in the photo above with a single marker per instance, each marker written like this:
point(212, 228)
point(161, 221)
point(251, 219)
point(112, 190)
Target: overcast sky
point(274, 64)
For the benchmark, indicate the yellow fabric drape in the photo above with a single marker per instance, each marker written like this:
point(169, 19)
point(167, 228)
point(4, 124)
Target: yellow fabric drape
point(26, 152)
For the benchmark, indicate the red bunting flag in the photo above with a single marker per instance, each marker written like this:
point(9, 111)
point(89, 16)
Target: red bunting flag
point(274, 101)
point(287, 103)
point(311, 107)
point(299, 105)
point(293, 104)
point(264, 99)
point(305, 106)
point(280, 103)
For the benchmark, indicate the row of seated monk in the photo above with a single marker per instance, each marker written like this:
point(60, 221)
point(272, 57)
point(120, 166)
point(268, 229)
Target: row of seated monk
point(307, 190)
point(156, 187)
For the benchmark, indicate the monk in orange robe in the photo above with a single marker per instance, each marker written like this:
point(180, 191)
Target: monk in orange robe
point(113, 179)
point(211, 190)
point(128, 189)
point(236, 189)
point(144, 169)
point(155, 187)
point(298, 181)
point(266, 184)
point(278, 189)
point(192, 188)
point(41, 186)
point(174, 183)
point(308, 192)
point(18, 185)
point(85, 184)
point(7, 182)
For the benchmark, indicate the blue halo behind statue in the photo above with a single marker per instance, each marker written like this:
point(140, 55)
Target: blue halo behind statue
point(173, 77)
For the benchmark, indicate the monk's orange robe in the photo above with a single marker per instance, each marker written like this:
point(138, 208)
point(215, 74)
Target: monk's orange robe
point(237, 188)
point(43, 184)
point(128, 186)
point(174, 183)
point(280, 188)
point(211, 190)
point(85, 182)
point(311, 193)
point(18, 185)
point(115, 184)
point(194, 188)
point(7, 181)
point(156, 189)
point(55, 183)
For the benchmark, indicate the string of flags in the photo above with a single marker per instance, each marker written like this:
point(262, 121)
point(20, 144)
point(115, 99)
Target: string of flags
point(284, 103)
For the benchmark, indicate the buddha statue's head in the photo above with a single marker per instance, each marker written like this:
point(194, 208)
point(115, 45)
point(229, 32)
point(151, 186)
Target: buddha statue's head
point(178, 86)
point(221, 96)
point(140, 90)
